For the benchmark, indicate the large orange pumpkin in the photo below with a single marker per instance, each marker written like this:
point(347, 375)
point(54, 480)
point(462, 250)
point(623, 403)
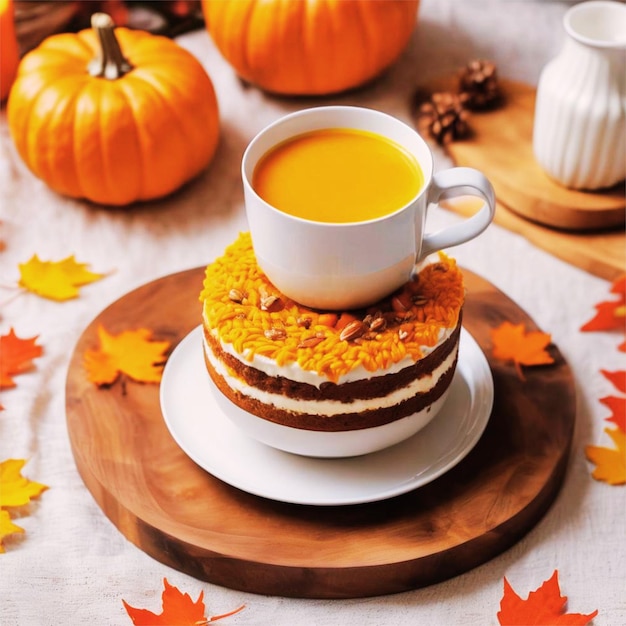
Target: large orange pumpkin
point(310, 47)
point(113, 115)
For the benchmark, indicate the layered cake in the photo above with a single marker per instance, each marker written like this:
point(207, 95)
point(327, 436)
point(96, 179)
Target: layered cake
point(330, 371)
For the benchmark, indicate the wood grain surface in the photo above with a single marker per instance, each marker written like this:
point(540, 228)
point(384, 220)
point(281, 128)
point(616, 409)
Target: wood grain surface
point(187, 519)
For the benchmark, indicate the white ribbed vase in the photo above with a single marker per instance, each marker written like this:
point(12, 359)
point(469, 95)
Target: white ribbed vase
point(579, 133)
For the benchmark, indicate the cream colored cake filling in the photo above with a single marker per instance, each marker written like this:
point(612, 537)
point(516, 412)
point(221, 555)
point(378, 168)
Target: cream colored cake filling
point(326, 407)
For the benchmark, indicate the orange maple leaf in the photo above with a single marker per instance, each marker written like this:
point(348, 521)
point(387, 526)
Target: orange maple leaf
point(17, 357)
point(610, 462)
point(178, 610)
point(131, 352)
point(512, 343)
point(611, 315)
point(543, 606)
point(56, 280)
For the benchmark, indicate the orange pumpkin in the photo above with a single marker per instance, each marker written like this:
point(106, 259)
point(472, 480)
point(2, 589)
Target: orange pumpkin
point(310, 47)
point(110, 126)
point(9, 54)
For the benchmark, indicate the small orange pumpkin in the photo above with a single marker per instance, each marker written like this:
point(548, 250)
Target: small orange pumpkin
point(110, 126)
point(310, 47)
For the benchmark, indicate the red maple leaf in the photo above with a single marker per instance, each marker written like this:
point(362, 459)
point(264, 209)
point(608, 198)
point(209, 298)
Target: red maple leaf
point(178, 610)
point(611, 315)
point(618, 378)
point(543, 607)
point(617, 406)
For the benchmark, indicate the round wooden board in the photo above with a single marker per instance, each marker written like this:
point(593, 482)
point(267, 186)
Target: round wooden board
point(184, 517)
point(500, 145)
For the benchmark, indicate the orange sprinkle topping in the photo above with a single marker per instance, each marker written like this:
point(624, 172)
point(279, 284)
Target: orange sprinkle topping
point(247, 311)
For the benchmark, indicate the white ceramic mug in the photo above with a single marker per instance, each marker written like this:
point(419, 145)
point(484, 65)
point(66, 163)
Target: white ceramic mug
point(341, 266)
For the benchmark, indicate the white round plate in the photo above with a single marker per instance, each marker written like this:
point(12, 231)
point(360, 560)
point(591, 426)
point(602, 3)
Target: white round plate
point(209, 438)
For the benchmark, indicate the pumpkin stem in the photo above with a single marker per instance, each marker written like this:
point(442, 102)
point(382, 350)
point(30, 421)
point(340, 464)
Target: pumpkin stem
point(110, 62)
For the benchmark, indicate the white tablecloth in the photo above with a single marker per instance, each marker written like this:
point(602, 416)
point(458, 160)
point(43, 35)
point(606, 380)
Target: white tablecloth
point(72, 566)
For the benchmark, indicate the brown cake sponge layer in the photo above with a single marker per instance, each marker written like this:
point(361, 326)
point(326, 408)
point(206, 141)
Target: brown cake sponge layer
point(350, 420)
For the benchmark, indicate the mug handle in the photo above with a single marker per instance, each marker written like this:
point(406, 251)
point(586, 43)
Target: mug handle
point(458, 178)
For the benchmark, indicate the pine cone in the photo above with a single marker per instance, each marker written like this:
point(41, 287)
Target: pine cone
point(478, 83)
point(443, 117)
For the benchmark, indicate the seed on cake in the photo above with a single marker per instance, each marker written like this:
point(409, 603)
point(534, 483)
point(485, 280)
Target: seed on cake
point(304, 322)
point(406, 332)
point(275, 334)
point(399, 317)
point(353, 330)
point(375, 320)
point(310, 342)
point(378, 324)
point(419, 300)
point(236, 295)
point(267, 302)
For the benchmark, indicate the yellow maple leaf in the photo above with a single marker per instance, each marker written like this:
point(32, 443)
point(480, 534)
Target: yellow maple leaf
point(7, 527)
point(56, 280)
point(610, 462)
point(131, 352)
point(16, 490)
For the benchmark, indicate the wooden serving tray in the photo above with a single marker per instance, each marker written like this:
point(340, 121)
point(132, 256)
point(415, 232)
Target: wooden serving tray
point(500, 145)
point(185, 518)
point(583, 228)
